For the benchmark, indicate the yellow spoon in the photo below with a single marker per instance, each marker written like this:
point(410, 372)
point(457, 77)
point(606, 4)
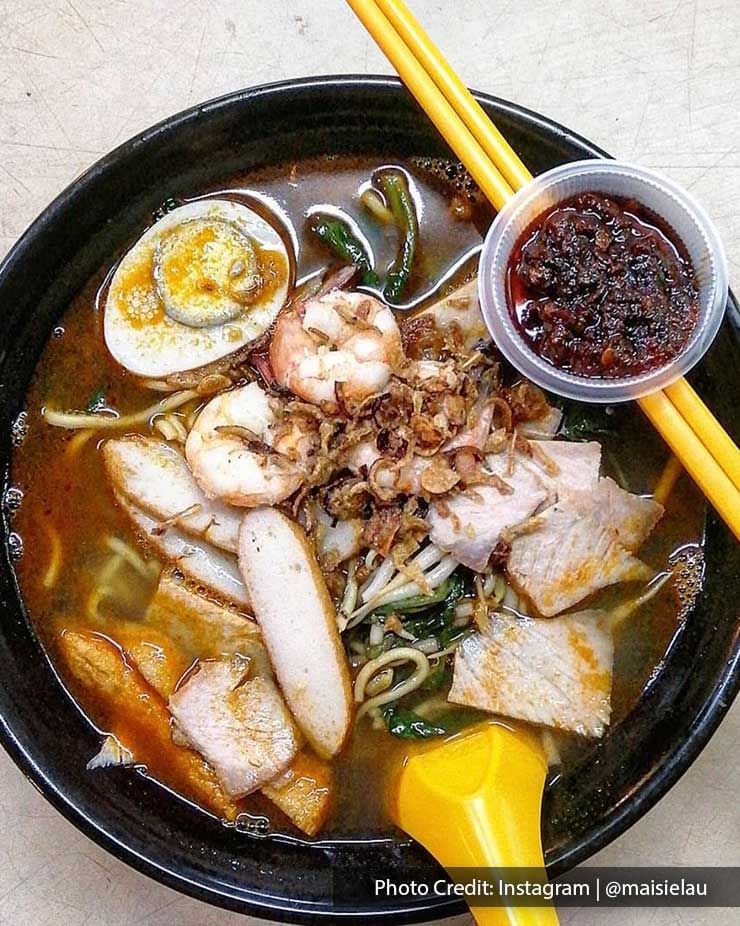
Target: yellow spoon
point(474, 801)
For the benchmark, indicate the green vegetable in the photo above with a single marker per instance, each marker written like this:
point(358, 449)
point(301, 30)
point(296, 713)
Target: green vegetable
point(337, 235)
point(407, 724)
point(437, 677)
point(582, 422)
point(97, 400)
point(395, 189)
point(450, 590)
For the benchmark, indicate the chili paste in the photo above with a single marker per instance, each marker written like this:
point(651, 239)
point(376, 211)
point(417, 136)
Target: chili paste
point(600, 286)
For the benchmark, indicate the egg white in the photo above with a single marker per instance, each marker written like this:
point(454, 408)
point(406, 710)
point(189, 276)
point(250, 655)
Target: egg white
point(148, 342)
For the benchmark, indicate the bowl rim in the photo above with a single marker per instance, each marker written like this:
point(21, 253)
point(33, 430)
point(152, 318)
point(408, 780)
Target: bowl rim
point(608, 828)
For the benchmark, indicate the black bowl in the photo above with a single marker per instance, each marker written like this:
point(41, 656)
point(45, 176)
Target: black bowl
point(44, 731)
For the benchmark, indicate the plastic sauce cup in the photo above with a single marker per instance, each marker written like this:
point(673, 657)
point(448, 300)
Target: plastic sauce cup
point(681, 213)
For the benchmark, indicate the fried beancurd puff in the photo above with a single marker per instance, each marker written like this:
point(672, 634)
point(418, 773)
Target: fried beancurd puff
point(135, 713)
point(132, 685)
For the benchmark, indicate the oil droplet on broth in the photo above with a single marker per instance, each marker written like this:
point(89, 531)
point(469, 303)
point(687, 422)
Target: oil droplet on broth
point(15, 546)
point(19, 429)
point(13, 499)
point(688, 567)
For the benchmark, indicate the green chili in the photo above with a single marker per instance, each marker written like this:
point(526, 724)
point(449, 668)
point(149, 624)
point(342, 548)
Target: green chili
point(395, 189)
point(337, 235)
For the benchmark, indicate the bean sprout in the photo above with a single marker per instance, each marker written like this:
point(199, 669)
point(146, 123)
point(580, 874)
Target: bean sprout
point(349, 598)
point(489, 584)
point(391, 595)
point(374, 204)
point(428, 646)
point(383, 581)
point(464, 609)
point(171, 427)
point(550, 748)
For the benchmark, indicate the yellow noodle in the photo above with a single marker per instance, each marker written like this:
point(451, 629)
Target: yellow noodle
point(668, 478)
point(55, 560)
point(128, 553)
point(393, 657)
point(76, 443)
point(78, 420)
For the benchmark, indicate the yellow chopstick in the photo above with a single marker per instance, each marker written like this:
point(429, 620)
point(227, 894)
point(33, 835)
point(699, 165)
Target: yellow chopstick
point(697, 439)
point(695, 458)
point(460, 98)
point(452, 128)
point(706, 427)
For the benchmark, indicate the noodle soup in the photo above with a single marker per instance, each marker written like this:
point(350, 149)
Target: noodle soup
point(332, 386)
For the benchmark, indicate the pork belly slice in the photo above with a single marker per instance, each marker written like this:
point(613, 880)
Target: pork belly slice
point(201, 625)
point(631, 516)
point(303, 792)
point(469, 524)
point(557, 673)
point(568, 557)
point(578, 483)
point(214, 570)
point(461, 309)
point(299, 626)
point(565, 468)
point(542, 428)
point(156, 478)
point(239, 724)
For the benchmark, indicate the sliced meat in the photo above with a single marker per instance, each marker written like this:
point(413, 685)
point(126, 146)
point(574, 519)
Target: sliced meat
point(136, 715)
point(214, 570)
point(569, 556)
point(557, 673)
point(542, 428)
point(462, 309)
point(240, 725)
point(200, 625)
point(631, 516)
point(577, 465)
point(469, 524)
point(476, 435)
point(155, 477)
point(304, 792)
point(299, 626)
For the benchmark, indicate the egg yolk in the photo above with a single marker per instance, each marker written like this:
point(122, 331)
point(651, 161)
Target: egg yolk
point(207, 272)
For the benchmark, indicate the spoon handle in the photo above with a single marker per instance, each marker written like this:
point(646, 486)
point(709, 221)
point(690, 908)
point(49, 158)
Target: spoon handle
point(474, 802)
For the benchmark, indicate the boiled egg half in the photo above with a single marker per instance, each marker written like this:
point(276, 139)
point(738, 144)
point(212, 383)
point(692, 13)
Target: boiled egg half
point(203, 281)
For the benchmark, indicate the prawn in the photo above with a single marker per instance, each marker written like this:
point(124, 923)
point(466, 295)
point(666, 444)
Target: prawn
point(338, 340)
point(244, 450)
